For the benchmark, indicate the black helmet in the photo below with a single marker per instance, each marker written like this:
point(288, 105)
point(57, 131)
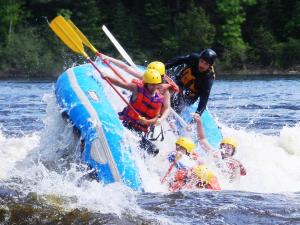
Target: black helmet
point(208, 55)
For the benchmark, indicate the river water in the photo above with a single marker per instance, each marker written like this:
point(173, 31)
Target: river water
point(43, 182)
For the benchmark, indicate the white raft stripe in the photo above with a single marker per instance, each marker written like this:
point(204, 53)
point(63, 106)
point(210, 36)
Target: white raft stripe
point(94, 117)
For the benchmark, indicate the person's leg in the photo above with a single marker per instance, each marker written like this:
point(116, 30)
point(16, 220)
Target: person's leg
point(144, 143)
point(147, 145)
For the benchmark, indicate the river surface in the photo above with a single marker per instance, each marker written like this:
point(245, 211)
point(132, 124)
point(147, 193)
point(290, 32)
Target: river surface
point(43, 182)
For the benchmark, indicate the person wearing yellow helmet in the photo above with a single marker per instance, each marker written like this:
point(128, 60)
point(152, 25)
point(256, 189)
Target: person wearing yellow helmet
point(204, 178)
point(147, 101)
point(163, 88)
point(184, 158)
point(184, 153)
point(230, 167)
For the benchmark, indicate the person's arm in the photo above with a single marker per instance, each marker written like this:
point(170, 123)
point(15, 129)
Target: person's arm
point(128, 86)
point(145, 121)
point(204, 95)
point(202, 139)
point(243, 171)
point(177, 61)
point(166, 108)
point(134, 72)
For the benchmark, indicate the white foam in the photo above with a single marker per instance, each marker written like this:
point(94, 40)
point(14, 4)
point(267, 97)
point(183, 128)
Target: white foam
point(289, 139)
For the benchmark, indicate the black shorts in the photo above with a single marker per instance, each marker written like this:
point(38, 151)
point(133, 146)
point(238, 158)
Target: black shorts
point(144, 142)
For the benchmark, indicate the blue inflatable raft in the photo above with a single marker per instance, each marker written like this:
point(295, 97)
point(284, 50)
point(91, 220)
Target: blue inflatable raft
point(82, 98)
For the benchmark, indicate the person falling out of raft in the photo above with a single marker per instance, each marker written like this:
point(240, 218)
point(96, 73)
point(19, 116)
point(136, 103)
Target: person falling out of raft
point(194, 74)
point(231, 168)
point(190, 171)
point(167, 88)
point(147, 101)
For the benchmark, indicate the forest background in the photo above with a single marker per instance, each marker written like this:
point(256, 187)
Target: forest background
point(249, 36)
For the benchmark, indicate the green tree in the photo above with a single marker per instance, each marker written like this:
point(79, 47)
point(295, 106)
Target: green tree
point(292, 27)
point(155, 25)
point(25, 54)
point(261, 52)
point(288, 53)
point(10, 15)
point(192, 32)
point(231, 39)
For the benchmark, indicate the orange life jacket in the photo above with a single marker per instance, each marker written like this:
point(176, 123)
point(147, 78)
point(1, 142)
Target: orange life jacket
point(188, 80)
point(179, 180)
point(146, 105)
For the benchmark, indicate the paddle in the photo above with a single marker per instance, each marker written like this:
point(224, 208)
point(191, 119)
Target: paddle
point(168, 172)
point(71, 39)
point(118, 46)
point(131, 63)
point(88, 44)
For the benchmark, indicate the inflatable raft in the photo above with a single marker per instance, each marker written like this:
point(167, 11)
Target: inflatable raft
point(83, 100)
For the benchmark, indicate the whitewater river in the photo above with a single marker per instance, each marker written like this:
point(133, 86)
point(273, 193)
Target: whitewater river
point(43, 182)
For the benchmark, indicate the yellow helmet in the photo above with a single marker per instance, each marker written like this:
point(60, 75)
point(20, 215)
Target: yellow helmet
point(186, 143)
point(230, 141)
point(203, 173)
point(152, 77)
point(159, 66)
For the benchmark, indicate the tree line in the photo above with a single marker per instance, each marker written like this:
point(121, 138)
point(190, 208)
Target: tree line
point(246, 34)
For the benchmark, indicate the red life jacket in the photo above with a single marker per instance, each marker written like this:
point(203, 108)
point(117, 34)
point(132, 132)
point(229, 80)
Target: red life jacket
point(179, 180)
point(146, 105)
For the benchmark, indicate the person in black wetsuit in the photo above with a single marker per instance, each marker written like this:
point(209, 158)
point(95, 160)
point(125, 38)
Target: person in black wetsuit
point(195, 79)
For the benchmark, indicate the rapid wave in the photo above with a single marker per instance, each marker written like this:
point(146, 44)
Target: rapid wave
point(48, 163)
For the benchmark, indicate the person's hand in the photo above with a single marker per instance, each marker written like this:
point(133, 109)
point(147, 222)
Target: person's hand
point(158, 122)
point(104, 75)
point(143, 120)
point(104, 57)
point(189, 127)
point(196, 117)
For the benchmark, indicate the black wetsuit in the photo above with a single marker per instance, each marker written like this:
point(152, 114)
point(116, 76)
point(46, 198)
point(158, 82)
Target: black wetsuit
point(203, 82)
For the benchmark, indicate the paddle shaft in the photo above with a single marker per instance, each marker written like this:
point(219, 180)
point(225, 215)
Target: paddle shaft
point(110, 66)
point(129, 60)
point(168, 172)
point(109, 82)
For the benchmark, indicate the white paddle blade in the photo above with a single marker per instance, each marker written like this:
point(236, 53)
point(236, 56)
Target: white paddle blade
point(118, 46)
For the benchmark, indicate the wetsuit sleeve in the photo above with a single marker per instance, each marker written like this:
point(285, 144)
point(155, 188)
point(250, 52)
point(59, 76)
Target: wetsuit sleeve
point(178, 61)
point(204, 95)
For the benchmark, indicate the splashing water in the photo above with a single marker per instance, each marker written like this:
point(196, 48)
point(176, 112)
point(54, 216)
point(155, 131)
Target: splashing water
point(46, 163)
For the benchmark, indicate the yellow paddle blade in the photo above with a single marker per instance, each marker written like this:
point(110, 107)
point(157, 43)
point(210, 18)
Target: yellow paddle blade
point(68, 36)
point(83, 38)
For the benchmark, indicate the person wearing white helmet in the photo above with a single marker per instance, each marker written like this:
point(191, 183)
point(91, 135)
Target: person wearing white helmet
point(230, 167)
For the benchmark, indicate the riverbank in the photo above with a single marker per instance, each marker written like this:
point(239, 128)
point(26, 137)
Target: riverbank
point(260, 72)
point(247, 72)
